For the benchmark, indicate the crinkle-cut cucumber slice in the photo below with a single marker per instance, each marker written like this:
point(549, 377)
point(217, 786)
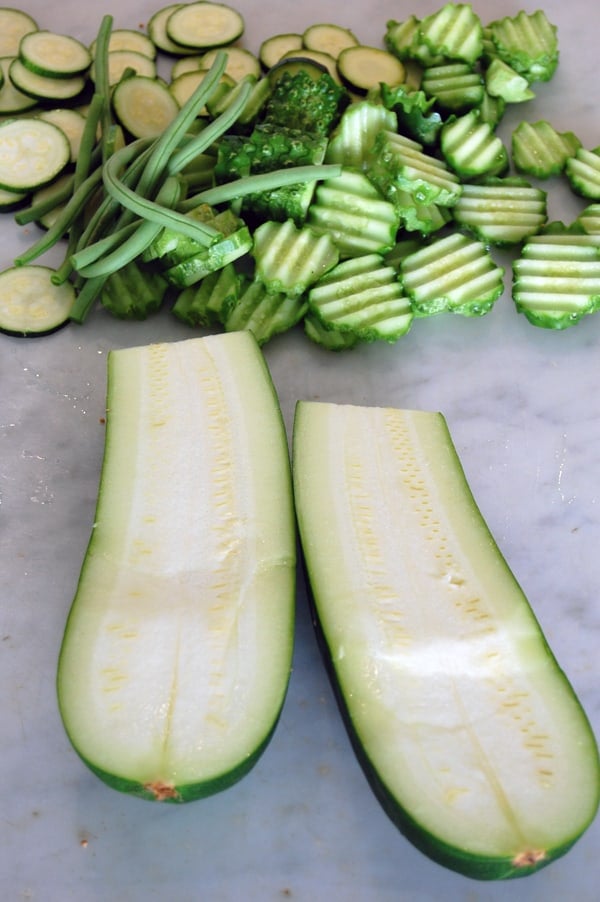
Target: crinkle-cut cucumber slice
point(354, 213)
point(14, 25)
point(526, 42)
point(204, 25)
point(454, 32)
point(455, 86)
point(30, 304)
point(471, 147)
point(501, 211)
point(583, 172)
point(467, 728)
point(556, 279)
point(54, 55)
point(264, 313)
point(32, 153)
point(290, 259)
point(453, 274)
point(177, 650)
point(364, 297)
point(538, 150)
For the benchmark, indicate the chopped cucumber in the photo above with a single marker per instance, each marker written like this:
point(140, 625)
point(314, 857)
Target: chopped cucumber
point(363, 297)
point(501, 211)
point(537, 149)
point(289, 259)
point(469, 732)
point(556, 279)
point(454, 274)
point(177, 650)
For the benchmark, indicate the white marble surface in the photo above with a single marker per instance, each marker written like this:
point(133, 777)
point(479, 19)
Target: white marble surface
point(524, 408)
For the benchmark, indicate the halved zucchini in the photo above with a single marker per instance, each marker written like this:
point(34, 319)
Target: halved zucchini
point(177, 651)
point(469, 732)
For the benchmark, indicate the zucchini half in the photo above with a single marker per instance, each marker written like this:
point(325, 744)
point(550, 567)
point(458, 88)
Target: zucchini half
point(177, 651)
point(470, 734)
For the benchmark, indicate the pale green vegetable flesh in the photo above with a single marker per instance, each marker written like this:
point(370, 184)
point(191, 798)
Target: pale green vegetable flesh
point(177, 650)
point(471, 735)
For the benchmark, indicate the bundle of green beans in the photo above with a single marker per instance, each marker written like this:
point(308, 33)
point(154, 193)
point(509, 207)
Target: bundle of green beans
point(142, 190)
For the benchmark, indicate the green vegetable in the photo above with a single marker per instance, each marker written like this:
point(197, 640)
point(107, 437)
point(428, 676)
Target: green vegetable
point(467, 729)
point(177, 650)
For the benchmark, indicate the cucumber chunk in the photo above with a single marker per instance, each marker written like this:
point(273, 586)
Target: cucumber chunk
point(469, 732)
point(177, 651)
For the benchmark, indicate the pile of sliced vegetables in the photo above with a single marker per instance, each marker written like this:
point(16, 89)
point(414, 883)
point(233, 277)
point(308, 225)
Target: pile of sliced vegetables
point(143, 181)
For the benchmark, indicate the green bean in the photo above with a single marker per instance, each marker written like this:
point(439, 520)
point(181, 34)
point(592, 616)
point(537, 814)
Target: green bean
point(264, 181)
point(199, 143)
point(63, 222)
point(173, 135)
point(150, 210)
point(133, 246)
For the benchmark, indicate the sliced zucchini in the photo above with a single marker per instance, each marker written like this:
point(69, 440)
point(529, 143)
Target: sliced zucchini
point(144, 106)
point(14, 25)
point(44, 87)
point(157, 32)
point(32, 153)
point(177, 650)
point(121, 61)
point(30, 304)
point(11, 99)
point(69, 121)
point(54, 55)
point(273, 48)
point(240, 63)
point(315, 57)
point(328, 38)
point(362, 68)
point(128, 39)
point(469, 732)
point(204, 25)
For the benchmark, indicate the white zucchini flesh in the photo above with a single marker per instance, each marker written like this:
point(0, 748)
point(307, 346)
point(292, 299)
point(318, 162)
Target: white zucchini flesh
point(177, 650)
point(475, 742)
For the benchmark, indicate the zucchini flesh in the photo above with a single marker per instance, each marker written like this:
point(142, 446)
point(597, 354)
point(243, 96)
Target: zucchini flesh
point(177, 650)
point(472, 737)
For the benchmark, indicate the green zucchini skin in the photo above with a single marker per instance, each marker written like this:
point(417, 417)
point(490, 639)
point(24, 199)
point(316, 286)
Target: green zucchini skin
point(485, 867)
point(451, 857)
point(177, 651)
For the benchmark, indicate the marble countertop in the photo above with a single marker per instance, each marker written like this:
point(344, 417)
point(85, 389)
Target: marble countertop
point(524, 409)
